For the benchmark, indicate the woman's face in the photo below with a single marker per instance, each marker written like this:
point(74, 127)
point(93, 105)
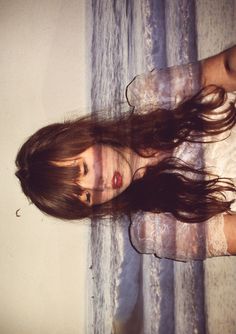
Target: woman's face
point(104, 173)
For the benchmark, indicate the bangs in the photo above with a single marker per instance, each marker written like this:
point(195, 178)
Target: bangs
point(48, 177)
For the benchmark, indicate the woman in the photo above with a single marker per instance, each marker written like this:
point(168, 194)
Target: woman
point(135, 164)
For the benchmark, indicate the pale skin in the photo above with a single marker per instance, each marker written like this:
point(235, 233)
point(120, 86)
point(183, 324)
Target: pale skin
point(220, 70)
point(99, 163)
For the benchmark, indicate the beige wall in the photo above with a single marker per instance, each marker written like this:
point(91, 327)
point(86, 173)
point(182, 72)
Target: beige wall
point(42, 79)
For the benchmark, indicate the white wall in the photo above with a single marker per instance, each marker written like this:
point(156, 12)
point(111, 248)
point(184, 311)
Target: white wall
point(42, 79)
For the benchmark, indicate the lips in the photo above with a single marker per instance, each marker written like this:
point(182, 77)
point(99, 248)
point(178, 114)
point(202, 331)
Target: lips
point(116, 181)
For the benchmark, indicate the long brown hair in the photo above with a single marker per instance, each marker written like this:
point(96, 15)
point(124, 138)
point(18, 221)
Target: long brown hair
point(170, 186)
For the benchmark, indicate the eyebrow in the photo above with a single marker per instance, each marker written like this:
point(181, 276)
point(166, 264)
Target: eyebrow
point(74, 164)
point(79, 170)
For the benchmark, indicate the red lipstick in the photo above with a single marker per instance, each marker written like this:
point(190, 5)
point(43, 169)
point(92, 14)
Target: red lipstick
point(117, 181)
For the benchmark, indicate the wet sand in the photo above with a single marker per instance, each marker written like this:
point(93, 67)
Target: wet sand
point(134, 325)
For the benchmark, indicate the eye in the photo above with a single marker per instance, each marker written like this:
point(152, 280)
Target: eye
point(85, 168)
point(88, 197)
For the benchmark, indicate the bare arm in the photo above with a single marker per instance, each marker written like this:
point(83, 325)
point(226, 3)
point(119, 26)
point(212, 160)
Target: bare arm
point(220, 70)
point(230, 232)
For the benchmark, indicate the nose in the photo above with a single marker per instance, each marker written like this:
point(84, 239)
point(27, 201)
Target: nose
point(100, 184)
point(98, 177)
